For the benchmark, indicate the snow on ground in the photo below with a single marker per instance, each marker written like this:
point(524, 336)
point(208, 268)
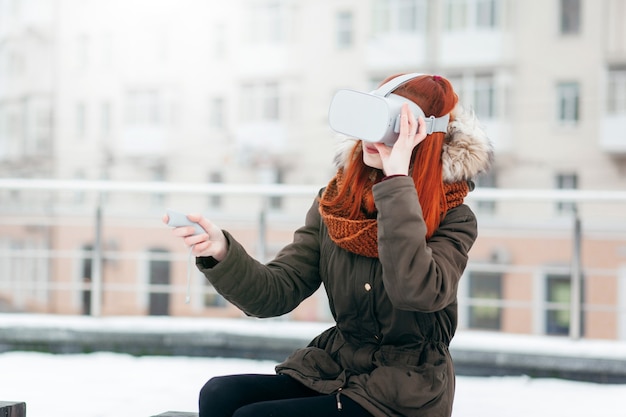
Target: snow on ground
point(120, 385)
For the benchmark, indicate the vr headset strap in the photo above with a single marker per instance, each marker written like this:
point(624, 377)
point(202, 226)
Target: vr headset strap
point(437, 124)
point(387, 88)
point(433, 124)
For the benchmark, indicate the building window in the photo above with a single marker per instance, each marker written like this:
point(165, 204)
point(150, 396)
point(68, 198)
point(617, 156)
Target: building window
point(557, 304)
point(43, 128)
point(455, 15)
point(143, 108)
point(486, 180)
point(217, 112)
point(86, 277)
point(568, 96)
point(484, 96)
point(81, 120)
point(403, 16)
point(276, 201)
point(271, 102)
point(344, 29)
point(486, 14)
point(616, 91)
point(566, 182)
point(10, 125)
point(106, 51)
point(211, 296)
point(215, 200)
point(570, 17)
point(272, 175)
point(485, 292)
point(267, 23)
point(158, 175)
point(15, 64)
point(79, 195)
point(105, 118)
point(478, 92)
point(38, 126)
point(5, 135)
point(219, 41)
point(159, 276)
point(82, 52)
point(260, 102)
point(558, 293)
point(466, 14)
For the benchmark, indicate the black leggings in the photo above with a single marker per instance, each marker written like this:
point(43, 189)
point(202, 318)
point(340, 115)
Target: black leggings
point(252, 395)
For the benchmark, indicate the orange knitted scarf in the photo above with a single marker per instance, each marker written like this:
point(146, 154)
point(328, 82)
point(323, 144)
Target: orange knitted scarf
point(360, 235)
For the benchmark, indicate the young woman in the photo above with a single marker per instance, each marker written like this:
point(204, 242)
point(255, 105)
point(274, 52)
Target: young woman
point(388, 237)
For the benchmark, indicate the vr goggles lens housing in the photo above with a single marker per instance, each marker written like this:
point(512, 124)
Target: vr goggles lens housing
point(375, 116)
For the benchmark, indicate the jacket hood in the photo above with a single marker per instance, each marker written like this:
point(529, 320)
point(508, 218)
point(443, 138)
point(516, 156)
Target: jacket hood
point(467, 150)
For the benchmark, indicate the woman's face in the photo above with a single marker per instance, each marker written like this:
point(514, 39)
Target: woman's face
point(371, 157)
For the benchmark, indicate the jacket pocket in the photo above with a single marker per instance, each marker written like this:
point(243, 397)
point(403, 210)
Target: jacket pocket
point(408, 388)
point(311, 363)
point(404, 382)
point(314, 368)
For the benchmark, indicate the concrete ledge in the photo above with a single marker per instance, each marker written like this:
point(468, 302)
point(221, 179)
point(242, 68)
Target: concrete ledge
point(12, 409)
point(177, 414)
point(474, 353)
point(159, 342)
point(473, 363)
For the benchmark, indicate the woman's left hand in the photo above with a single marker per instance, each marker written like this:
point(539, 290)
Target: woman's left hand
point(397, 159)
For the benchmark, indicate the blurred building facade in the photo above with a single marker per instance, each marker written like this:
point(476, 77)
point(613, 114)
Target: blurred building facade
point(237, 93)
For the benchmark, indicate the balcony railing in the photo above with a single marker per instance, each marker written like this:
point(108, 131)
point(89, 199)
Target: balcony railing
point(51, 212)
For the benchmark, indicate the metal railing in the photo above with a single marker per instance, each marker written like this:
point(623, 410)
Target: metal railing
point(262, 193)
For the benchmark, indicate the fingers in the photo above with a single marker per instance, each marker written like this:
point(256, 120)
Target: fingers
point(191, 239)
point(383, 150)
point(202, 248)
point(421, 131)
point(194, 217)
point(202, 221)
point(210, 243)
point(408, 124)
point(190, 234)
point(184, 231)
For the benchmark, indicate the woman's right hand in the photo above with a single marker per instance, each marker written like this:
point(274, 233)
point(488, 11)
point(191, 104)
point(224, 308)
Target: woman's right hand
point(397, 159)
point(212, 243)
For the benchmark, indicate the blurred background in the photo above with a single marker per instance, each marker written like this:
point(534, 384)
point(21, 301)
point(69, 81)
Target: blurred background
point(112, 111)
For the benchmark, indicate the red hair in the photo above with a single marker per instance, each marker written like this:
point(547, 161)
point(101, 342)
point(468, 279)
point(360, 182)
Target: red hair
point(436, 97)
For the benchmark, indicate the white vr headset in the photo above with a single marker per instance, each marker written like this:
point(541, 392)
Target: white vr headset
point(375, 116)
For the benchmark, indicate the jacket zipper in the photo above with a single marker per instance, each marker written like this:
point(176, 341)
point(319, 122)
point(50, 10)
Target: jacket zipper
point(337, 396)
point(371, 305)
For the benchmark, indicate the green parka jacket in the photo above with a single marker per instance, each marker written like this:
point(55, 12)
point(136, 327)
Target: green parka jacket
point(395, 315)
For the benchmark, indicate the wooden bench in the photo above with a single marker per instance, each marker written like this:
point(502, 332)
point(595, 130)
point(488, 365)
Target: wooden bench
point(12, 409)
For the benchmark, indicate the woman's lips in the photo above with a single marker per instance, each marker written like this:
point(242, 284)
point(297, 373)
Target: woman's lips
point(370, 149)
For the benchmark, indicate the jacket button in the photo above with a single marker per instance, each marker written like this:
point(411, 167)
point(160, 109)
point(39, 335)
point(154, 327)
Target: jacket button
point(367, 286)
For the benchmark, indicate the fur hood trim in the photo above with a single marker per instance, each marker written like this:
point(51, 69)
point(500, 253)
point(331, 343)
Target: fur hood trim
point(467, 151)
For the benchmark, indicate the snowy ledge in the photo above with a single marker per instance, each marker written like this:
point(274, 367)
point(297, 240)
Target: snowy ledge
point(474, 352)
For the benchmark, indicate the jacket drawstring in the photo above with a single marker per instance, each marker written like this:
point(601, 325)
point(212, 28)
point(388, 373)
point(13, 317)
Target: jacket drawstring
point(337, 396)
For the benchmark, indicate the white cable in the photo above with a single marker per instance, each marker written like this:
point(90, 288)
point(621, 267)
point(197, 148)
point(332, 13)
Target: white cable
point(189, 268)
